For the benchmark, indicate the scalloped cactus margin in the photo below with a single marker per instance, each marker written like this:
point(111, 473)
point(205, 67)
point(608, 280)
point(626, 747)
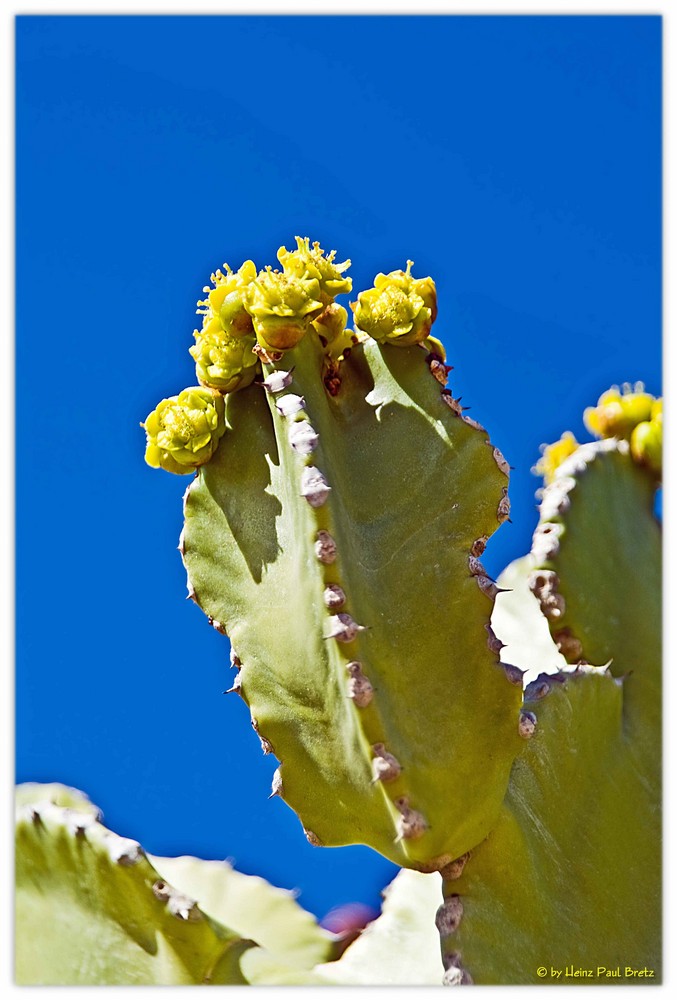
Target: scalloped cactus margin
point(91, 908)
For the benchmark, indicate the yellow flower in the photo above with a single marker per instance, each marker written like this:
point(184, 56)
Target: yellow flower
point(183, 431)
point(282, 307)
point(553, 456)
point(619, 411)
point(399, 309)
point(307, 262)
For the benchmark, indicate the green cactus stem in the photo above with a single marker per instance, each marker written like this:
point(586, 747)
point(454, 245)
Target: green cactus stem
point(597, 552)
point(577, 846)
point(93, 908)
point(569, 879)
point(336, 537)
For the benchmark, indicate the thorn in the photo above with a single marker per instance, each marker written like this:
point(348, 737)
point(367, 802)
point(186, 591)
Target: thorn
point(276, 786)
point(411, 824)
point(303, 437)
point(268, 357)
point(385, 766)
point(537, 689)
point(237, 683)
point(448, 916)
point(277, 381)
point(343, 628)
point(512, 673)
point(489, 588)
point(454, 869)
point(123, 851)
point(360, 689)
point(454, 973)
point(314, 487)
point(527, 725)
point(493, 642)
point(290, 404)
point(325, 547)
point(334, 596)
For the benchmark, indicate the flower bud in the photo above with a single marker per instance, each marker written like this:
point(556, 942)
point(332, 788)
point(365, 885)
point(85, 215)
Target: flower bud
point(305, 262)
point(183, 431)
point(553, 456)
point(399, 309)
point(436, 347)
point(331, 327)
point(223, 361)
point(646, 443)
point(224, 302)
point(619, 411)
point(282, 308)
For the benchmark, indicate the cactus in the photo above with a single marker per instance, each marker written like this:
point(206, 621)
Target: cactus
point(500, 739)
point(335, 536)
point(94, 908)
point(91, 908)
point(577, 844)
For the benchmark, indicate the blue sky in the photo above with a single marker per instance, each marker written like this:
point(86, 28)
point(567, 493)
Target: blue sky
point(516, 159)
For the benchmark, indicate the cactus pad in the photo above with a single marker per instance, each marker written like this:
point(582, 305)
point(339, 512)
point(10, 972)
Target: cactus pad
point(90, 907)
point(93, 909)
point(335, 537)
point(570, 876)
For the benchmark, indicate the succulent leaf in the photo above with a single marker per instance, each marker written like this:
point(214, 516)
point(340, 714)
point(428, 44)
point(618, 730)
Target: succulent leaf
point(575, 849)
point(91, 909)
point(398, 948)
point(252, 907)
point(413, 487)
point(599, 535)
